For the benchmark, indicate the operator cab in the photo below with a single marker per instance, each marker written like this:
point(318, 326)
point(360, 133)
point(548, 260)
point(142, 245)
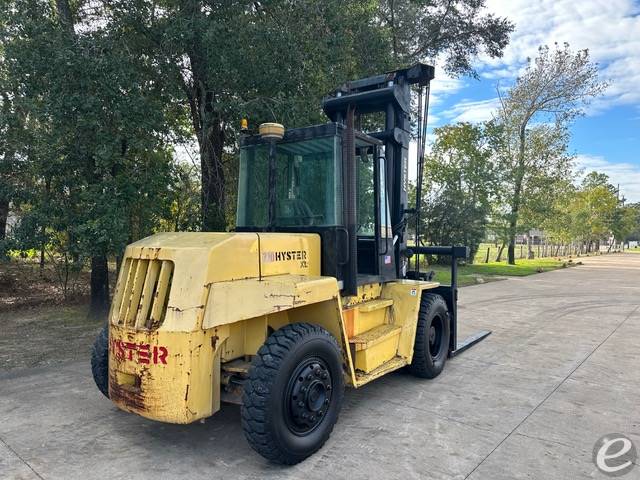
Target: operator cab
point(310, 196)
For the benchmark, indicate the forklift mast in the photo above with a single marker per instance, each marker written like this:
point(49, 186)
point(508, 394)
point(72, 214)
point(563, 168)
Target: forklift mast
point(388, 94)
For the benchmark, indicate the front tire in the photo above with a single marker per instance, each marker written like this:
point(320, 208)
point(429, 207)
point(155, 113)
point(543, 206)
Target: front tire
point(100, 361)
point(294, 392)
point(431, 346)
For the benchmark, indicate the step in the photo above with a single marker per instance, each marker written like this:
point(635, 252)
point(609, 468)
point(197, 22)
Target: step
point(389, 366)
point(374, 336)
point(373, 305)
point(367, 315)
point(239, 365)
point(375, 347)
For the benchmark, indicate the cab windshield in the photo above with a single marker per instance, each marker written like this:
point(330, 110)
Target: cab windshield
point(308, 184)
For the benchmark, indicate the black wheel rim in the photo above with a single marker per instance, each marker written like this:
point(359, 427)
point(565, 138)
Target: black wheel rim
point(436, 333)
point(308, 396)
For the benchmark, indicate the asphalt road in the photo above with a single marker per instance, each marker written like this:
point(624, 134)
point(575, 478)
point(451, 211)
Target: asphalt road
point(559, 371)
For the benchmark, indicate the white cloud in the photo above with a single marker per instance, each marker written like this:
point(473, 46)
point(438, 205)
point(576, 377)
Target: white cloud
point(609, 29)
point(626, 175)
point(442, 86)
point(473, 111)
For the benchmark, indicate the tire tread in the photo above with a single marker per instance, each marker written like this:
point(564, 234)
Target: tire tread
point(262, 375)
point(418, 365)
point(100, 361)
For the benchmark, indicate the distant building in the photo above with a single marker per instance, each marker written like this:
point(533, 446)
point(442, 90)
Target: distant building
point(536, 236)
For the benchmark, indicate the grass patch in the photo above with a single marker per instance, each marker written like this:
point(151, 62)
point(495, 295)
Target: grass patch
point(633, 250)
point(492, 271)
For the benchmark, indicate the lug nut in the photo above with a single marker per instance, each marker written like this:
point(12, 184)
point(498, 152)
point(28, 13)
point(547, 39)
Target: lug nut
point(304, 415)
point(309, 377)
point(303, 389)
point(301, 404)
point(313, 419)
point(325, 375)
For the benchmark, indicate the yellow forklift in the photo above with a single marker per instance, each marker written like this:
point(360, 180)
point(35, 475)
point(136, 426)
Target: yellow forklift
point(312, 292)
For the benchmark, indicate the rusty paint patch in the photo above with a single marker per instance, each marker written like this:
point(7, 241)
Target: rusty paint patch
point(180, 310)
point(130, 397)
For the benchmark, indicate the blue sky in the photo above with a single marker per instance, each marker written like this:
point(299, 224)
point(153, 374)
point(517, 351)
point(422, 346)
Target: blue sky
point(607, 138)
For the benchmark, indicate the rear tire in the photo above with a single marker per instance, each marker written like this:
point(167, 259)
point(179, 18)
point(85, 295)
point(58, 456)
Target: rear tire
point(294, 392)
point(431, 346)
point(100, 361)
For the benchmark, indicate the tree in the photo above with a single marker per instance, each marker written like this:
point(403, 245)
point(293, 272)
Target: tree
point(593, 209)
point(461, 181)
point(95, 94)
point(265, 60)
point(607, 214)
point(625, 222)
point(458, 30)
point(274, 61)
point(94, 143)
point(634, 234)
point(554, 87)
point(184, 211)
point(558, 222)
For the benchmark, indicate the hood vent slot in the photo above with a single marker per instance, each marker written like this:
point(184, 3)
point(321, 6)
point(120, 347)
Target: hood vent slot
point(142, 294)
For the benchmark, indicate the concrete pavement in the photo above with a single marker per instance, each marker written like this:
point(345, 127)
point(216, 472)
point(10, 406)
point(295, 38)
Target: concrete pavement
point(559, 371)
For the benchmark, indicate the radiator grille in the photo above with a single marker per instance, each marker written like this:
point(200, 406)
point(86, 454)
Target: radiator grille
point(142, 295)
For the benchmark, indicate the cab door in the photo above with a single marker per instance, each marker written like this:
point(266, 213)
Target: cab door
point(374, 232)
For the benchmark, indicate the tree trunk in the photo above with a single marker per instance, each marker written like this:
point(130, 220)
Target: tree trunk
point(511, 251)
point(517, 192)
point(4, 215)
point(118, 263)
point(65, 16)
point(513, 222)
point(42, 251)
point(213, 179)
point(99, 306)
point(208, 125)
point(499, 257)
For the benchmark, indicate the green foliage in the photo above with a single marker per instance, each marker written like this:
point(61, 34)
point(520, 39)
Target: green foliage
point(460, 182)
point(94, 96)
point(598, 212)
point(634, 218)
point(534, 116)
point(184, 198)
point(89, 132)
point(456, 30)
